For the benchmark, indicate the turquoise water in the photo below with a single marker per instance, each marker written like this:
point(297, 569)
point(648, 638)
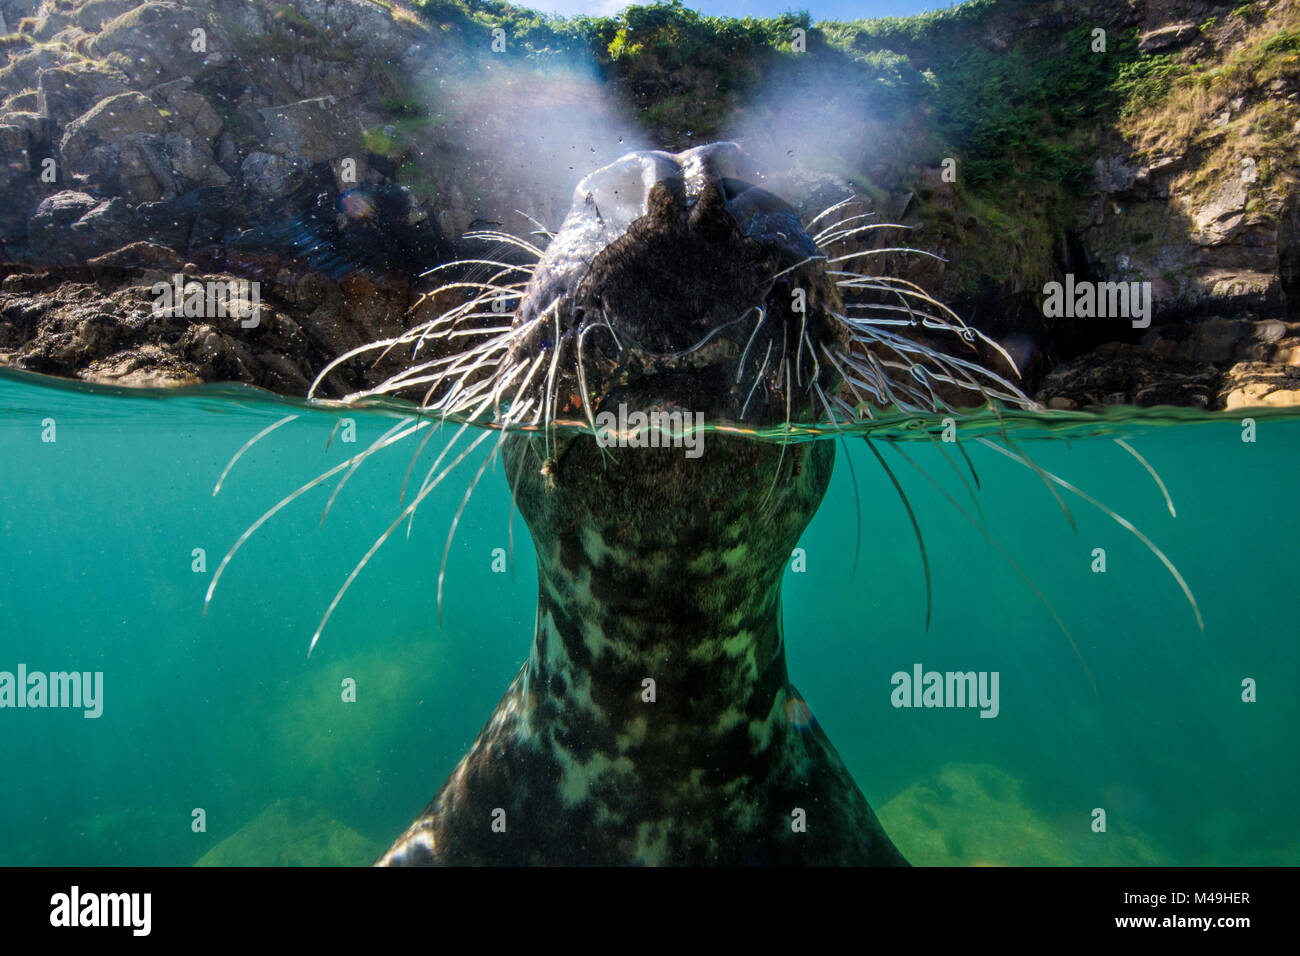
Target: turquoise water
point(225, 712)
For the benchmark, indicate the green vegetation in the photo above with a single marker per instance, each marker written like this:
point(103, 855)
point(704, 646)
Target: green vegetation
point(1010, 121)
point(1143, 83)
point(1223, 108)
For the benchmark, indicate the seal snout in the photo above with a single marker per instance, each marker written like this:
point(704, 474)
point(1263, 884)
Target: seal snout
point(683, 265)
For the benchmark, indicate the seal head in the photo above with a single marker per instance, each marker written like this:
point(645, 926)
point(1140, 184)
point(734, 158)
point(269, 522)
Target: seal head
point(654, 721)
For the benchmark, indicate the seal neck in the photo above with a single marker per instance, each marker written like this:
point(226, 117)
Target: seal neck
point(667, 674)
point(658, 634)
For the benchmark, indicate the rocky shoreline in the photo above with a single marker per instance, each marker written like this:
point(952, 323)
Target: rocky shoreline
point(333, 150)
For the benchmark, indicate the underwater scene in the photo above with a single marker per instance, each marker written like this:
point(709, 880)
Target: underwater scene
point(451, 432)
point(224, 712)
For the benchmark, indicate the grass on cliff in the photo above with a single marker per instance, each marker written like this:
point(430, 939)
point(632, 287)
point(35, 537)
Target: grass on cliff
point(1229, 107)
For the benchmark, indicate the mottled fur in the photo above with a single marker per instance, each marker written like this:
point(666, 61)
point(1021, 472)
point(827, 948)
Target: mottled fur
point(656, 566)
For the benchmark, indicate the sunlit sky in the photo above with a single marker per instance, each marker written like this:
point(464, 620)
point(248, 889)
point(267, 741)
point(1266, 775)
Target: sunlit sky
point(820, 9)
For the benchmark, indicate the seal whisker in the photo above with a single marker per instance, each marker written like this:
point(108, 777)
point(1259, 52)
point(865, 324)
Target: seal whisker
point(757, 378)
point(916, 526)
point(948, 362)
point(849, 379)
point(454, 399)
point(785, 440)
point(428, 475)
point(969, 464)
point(845, 234)
point(960, 477)
point(482, 359)
point(506, 238)
point(801, 262)
point(1042, 475)
point(1011, 561)
point(919, 375)
point(457, 313)
point(510, 521)
point(1118, 518)
point(505, 380)
point(906, 293)
point(880, 252)
point(267, 515)
point(548, 411)
point(409, 509)
point(915, 317)
point(456, 362)
point(740, 365)
point(857, 509)
point(916, 373)
point(586, 395)
point(527, 270)
point(817, 365)
point(1169, 502)
point(350, 353)
point(798, 351)
point(819, 237)
point(247, 445)
point(867, 381)
point(853, 480)
point(357, 464)
point(828, 210)
point(401, 495)
point(546, 232)
point(451, 532)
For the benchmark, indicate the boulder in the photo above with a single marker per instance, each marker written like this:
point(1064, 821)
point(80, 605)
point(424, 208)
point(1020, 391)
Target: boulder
point(1120, 374)
point(313, 131)
point(154, 42)
point(71, 227)
point(1172, 35)
point(110, 121)
point(191, 114)
point(1259, 384)
point(293, 832)
point(979, 815)
point(1222, 216)
point(266, 174)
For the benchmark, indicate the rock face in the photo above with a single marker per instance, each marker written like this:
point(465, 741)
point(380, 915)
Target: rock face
point(101, 323)
point(345, 140)
point(977, 815)
point(293, 832)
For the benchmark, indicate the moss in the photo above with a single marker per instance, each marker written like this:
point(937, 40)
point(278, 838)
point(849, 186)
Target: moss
point(380, 143)
point(1174, 105)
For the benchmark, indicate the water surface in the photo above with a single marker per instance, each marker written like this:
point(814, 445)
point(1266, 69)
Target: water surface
point(226, 712)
